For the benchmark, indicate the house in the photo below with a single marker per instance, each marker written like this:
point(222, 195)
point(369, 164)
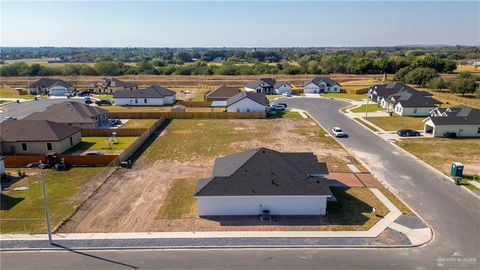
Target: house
point(260, 179)
point(34, 137)
point(73, 113)
point(321, 85)
point(110, 85)
point(152, 96)
point(222, 93)
point(247, 102)
point(268, 86)
point(52, 87)
point(463, 121)
point(403, 100)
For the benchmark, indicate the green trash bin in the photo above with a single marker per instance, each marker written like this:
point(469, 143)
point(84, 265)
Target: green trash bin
point(456, 169)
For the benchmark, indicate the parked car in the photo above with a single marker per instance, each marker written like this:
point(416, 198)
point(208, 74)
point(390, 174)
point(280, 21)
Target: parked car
point(286, 95)
point(103, 102)
point(10, 118)
point(277, 107)
point(94, 153)
point(88, 101)
point(450, 134)
point(84, 93)
point(408, 133)
point(283, 104)
point(338, 132)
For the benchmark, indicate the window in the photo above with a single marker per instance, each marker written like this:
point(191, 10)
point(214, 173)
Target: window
point(24, 146)
point(71, 141)
point(478, 131)
point(415, 110)
point(49, 146)
point(238, 109)
point(136, 100)
point(144, 100)
point(248, 109)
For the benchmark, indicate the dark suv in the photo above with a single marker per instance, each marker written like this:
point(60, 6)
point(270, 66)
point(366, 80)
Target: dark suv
point(408, 133)
point(103, 102)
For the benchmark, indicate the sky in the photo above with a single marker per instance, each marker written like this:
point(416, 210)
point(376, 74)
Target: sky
point(238, 24)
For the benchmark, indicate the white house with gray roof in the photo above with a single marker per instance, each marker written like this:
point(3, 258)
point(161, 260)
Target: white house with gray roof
point(268, 86)
point(152, 96)
point(321, 85)
point(250, 182)
point(53, 87)
point(247, 102)
point(463, 121)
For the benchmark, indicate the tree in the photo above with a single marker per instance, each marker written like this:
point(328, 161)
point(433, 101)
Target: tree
point(437, 84)
point(400, 74)
point(464, 84)
point(109, 68)
point(420, 76)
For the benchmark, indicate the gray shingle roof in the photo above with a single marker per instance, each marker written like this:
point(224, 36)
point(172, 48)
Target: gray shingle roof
point(224, 92)
point(35, 130)
point(265, 172)
point(47, 82)
point(318, 80)
point(258, 82)
point(114, 82)
point(68, 112)
point(154, 91)
point(461, 115)
point(257, 97)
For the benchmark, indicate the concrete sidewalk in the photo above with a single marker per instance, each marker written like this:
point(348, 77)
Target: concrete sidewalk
point(329, 237)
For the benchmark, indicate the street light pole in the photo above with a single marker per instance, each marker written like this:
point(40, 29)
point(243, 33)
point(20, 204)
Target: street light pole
point(366, 109)
point(45, 202)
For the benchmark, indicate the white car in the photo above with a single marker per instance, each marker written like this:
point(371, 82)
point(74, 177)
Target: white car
point(338, 132)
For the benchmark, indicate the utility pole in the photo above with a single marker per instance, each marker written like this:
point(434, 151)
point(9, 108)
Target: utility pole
point(45, 202)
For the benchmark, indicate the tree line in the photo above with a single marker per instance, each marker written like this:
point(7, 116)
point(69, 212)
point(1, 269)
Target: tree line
point(308, 64)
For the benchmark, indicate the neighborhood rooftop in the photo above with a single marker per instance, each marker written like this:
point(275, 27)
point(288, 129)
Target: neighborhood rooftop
point(114, 82)
point(318, 80)
point(47, 82)
point(35, 130)
point(460, 115)
point(224, 92)
point(263, 171)
point(68, 112)
point(154, 91)
point(257, 97)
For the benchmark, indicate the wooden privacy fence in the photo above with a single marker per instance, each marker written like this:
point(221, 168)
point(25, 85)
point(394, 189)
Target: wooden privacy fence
point(140, 140)
point(201, 104)
point(71, 160)
point(188, 115)
point(120, 132)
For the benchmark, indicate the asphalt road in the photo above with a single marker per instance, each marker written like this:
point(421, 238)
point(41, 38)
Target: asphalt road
point(20, 110)
point(452, 212)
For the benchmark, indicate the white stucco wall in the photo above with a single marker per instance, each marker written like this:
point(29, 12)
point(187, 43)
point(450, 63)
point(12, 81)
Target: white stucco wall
point(283, 89)
point(34, 148)
point(412, 111)
point(460, 130)
point(246, 105)
point(141, 101)
point(312, 88)
point(253, 205)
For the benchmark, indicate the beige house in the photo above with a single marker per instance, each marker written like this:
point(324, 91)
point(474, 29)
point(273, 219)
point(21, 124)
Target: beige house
point(73, 113)
point(110, 85)
point(34, 137)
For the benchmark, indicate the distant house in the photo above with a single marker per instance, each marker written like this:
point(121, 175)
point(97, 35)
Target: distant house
point(268, 86)
point(152, 96)
point(250, 182)
point(463, 121)
point(33, 137)
point(110, 85)
point(403, 100)
point(72, 113)
point(247, 102)
point(221, 93)
point(179, 108)
point(321, 85)
point(53, 87)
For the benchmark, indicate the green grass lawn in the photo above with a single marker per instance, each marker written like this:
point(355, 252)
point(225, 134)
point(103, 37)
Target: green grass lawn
point(139, 123)
point(27, 206)
point(394, 123)
point(441, 152)
point(100, 144)
point(179, 202)
point(359, 119)
point(272, 97)
point(285, 114)
point(104, 96)
point(344, 95)
point(371, 108)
